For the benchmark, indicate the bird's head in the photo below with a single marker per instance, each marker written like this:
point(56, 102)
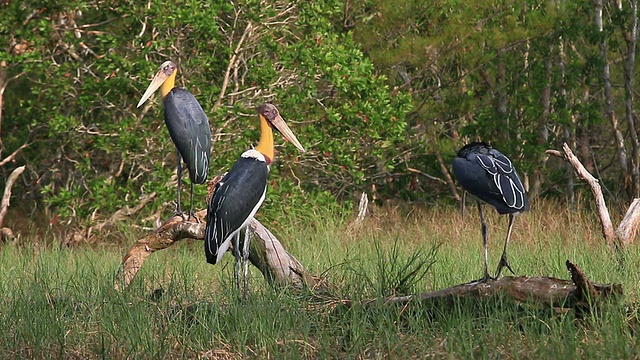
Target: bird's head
point(272, 116)
point(168, 70)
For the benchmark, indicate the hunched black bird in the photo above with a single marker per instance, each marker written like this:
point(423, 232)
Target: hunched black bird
point(188, 127)
point(240, 193)
point(489, 175)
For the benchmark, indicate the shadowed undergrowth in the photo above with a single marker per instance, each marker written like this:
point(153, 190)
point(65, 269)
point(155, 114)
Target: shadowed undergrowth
point(61, 303)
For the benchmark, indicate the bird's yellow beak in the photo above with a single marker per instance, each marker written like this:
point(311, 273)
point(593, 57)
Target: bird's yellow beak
point(157, 81)
point(283, 128)
point(168, 70)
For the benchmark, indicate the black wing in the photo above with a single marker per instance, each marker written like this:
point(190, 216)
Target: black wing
point(189, 129)
point(235, 200)
point(489, 175)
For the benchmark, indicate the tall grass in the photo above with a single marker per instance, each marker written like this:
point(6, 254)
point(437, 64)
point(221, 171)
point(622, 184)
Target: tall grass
point(60, 303)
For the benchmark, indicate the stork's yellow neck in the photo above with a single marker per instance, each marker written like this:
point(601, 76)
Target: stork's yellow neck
point(168, 84)
point(265, 146)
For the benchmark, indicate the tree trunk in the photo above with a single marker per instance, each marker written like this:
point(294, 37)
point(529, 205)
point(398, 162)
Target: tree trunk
point(569, 130)
point(608, 99)
point(631, 37)
point(543, 131)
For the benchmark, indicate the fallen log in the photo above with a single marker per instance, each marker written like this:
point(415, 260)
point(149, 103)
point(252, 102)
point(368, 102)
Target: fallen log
point(579, 293)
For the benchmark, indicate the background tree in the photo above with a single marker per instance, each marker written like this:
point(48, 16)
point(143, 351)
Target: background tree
point(381, 93)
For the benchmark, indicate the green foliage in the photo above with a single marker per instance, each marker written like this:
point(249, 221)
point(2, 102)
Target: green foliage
point(374, 90)
point(85, 65)
point(480, 70)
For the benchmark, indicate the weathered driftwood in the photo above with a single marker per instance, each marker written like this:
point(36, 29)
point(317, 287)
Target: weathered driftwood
point(626, 231)
point(579, 293)
point(278, 266)
point(6, 233)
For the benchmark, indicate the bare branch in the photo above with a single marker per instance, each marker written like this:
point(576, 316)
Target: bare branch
point(13, 155)
point(6, 198)
point(628, 227)
point(232, 63)
point(413, 170)
point(447, 176)
point(603, 212)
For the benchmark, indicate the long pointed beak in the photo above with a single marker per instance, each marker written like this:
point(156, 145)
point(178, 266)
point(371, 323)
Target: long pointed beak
point(157, 81)
point(283, 128)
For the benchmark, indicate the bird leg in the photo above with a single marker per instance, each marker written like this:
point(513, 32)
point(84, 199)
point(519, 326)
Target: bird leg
point(179, 172)
point(485, 239)
point(245, 262)
point(503, 259)
point(192, 215)
point(237, 254)
point(463, 202)
point(241, 253)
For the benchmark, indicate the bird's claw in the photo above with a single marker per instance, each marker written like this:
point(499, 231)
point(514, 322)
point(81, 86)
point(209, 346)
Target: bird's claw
point(178, 213)
point(484, 279)
point(502, 264)
point(192, 215)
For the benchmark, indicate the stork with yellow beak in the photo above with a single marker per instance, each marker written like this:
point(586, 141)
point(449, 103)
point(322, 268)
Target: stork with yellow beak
point(188, 127)
point(238, 196)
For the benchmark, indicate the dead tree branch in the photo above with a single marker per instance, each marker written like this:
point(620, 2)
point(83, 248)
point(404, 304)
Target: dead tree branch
point(579, 294)
point(626, 231)
point(13, 155)
point(603, 211)
point(278, 266)
point(628, 227)
point(6, 197)
point(232, 63)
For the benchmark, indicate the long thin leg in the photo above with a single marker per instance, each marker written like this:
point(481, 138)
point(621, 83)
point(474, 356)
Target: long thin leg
point(179, 171)
point(463, 203)
point(237, 254)
point(245, 262)
point(191, 213)
point(503, 259)
point(485, 239)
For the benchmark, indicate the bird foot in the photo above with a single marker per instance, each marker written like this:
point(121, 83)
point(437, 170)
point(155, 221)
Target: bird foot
point(179, 213)
point(502, 264)
point(192, 216)
point(484, 279)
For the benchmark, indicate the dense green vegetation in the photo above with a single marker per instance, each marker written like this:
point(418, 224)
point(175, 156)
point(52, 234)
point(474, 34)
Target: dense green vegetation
point(60, 303)
point(380, 93)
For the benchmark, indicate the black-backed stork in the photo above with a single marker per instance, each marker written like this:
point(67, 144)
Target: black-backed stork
point(188, 127)
point(489, 175)
point(238, 196)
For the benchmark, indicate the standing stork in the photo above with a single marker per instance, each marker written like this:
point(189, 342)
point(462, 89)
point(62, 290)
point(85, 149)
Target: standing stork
point(188, 127)
point(238, 196)
point(489, 175)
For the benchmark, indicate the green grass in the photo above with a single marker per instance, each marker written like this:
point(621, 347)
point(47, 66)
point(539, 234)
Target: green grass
point(60, 303)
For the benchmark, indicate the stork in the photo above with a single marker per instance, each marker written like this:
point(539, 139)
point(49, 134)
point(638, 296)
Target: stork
point(490, 177)
point(240, 193)
point(188, 127)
